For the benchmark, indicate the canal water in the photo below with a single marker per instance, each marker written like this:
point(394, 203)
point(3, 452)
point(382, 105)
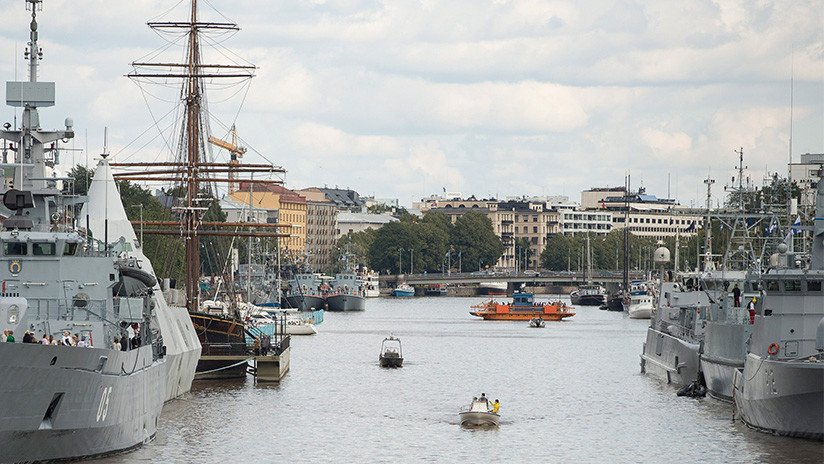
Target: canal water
point(570, 392)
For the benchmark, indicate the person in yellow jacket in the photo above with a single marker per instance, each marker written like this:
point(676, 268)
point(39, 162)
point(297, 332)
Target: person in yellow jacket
point(496, 406)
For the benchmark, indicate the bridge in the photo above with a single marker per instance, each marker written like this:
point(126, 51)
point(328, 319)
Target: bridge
point(528, 277)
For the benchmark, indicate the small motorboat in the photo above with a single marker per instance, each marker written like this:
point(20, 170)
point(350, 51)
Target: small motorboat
point(391, 353)
point(479, 413)
point(404, 290)
point(537, 322)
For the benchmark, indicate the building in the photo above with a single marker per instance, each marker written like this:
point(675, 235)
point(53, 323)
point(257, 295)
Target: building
point(533, 222)
point(291, 208)
point(805, 174)
point(241, 212)
point(343, 199)
point(321, 229)
point(574, 222)
point(359, 222)
point(648, 215)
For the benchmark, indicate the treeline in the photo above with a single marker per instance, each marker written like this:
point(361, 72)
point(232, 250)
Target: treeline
point(430, 244)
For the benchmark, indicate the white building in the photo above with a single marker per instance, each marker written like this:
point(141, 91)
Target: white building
point(359, 222)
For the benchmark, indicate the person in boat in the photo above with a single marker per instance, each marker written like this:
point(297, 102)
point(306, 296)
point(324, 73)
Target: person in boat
point(496, 405)
point(484, 399)
point(736, 296)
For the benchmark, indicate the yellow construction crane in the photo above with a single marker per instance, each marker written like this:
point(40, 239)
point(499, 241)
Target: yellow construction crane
point(235, 153)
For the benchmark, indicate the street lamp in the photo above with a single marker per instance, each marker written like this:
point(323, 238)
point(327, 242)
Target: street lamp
point(411, 260)
point(400, 271)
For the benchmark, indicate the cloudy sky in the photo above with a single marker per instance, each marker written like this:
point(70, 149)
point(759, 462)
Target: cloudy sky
point(402, 98)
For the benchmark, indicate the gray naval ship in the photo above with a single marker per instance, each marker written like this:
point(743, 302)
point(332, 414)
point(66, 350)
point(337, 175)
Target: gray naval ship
point(780, 389)
point(61, 401)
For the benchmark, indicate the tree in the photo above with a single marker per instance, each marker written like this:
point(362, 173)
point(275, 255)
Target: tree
point(474, 238)
point(389, 245)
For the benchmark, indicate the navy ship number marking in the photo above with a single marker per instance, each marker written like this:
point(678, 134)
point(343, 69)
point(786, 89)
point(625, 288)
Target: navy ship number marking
point(103, 409)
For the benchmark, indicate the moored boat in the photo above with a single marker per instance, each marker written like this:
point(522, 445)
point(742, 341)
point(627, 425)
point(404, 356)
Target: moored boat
point(345, 294)
point(436, 290)
point(493, 288)
point(404, 290)
point(523, 308)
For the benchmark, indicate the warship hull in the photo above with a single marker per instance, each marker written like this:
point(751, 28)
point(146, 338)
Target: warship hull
point(724, 351)
point(65, 402)
point(669, 358)
point(305, 302)
point(781, 397)
point(346, 303)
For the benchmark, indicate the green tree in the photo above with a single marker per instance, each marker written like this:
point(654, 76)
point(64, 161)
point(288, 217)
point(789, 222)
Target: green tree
point(474, 237)
point(391, 245)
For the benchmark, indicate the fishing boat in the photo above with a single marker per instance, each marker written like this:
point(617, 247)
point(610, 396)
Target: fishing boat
point(391, 353)
point(404, 290)
point(493, 288)
point(537, 322)
point(479, 414)
point(523, 308)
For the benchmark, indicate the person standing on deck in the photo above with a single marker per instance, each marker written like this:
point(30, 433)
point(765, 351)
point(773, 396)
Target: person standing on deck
point(736, 296)
point(496, 406)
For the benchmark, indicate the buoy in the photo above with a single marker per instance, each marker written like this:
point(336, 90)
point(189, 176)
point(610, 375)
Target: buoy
point(773, 348)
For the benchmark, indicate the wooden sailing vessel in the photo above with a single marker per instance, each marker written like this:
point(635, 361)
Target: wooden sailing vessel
point(222, 333)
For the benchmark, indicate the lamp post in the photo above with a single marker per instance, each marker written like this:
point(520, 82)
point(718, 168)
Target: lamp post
point(400, 250)
point(411, 260)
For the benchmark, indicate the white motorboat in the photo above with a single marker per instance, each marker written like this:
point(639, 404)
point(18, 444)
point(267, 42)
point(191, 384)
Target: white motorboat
point(479, 413)
point(640, 307)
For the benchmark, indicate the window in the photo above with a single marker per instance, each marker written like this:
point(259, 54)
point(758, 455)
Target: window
point(43, 248)
point(814, 286)
point(15, 248)
point(69, 249)
point(792, 286)
point(535, 230)
point(772, 286)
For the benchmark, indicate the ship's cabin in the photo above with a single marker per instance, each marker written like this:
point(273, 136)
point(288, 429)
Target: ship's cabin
point(15, 245)
point(523, 299)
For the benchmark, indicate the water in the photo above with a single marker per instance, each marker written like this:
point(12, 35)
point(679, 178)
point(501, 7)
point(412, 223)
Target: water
point(569, 392)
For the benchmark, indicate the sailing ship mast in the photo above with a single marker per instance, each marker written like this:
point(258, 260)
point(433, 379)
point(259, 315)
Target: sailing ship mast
point(191, 170)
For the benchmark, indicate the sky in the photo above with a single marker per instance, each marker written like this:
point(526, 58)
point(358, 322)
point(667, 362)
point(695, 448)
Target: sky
point(405, 98)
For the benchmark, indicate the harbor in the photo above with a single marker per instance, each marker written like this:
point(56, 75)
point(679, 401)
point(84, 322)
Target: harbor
point(173, 296)
point(578, 381)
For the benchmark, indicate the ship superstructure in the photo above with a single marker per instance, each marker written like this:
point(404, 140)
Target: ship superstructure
point(100, 385)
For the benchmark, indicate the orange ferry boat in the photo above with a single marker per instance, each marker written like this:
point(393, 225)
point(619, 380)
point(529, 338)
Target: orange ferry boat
point(522, 308)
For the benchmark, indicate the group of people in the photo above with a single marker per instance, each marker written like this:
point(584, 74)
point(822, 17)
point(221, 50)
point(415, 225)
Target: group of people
point(493, 407)
point(129, 339)
point(66, 340)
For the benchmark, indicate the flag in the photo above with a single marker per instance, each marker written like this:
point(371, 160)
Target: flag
point(691, 227)
point(795, 229)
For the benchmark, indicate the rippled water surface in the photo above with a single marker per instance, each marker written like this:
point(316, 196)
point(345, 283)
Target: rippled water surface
point(570, 392)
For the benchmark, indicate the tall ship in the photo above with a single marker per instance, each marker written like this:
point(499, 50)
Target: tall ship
point(780, 388)
point(193, 176)
point(100, 385)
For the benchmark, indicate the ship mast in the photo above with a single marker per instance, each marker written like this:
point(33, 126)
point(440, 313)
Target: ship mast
point(192, 169)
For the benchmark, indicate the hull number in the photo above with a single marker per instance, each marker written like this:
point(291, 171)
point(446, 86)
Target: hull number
point(103, 409)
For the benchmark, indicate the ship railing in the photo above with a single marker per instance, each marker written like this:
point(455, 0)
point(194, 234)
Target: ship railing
point(68, 309)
